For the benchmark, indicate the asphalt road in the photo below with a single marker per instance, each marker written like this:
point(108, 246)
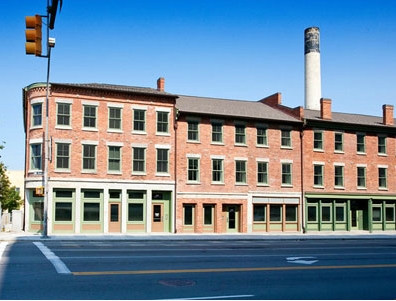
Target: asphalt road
point(213, 269)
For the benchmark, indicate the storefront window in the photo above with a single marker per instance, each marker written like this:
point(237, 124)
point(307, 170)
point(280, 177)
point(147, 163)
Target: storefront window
point(275, 213)
point(326, 214)
point(91, 212)
point(63, 212)
point(312, 215)
point(390, 213)
point(135, 212)
point(377, 212)
point(340, 214)
point(259, 213)
point(291, 213)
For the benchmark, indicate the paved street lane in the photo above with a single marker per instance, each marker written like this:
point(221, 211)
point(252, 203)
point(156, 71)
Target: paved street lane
point(259, 269)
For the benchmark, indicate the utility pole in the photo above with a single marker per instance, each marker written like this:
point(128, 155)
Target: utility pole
point(33, 46)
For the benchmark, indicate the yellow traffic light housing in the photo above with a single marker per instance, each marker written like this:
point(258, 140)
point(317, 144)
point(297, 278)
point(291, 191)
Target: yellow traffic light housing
point(33, 35)
point(39, 191)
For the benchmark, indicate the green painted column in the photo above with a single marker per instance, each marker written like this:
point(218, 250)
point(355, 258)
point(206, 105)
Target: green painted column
point(333, 209)
point(370, 215)
point(348, 217)
point(383, 215)
point(320, 215)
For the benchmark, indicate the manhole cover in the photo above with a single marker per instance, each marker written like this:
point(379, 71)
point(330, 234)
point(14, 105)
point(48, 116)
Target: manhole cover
point(177, 282)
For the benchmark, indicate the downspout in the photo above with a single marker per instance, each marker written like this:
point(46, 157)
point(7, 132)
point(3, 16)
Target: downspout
point(175, 125)
point(302, 176)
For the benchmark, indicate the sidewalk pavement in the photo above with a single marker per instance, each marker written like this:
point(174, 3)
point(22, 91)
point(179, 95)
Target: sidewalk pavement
point(339, 235)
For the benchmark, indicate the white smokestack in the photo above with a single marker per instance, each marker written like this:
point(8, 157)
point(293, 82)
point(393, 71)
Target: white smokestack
point(313, 88)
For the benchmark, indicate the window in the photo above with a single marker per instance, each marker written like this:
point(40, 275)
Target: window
point(361, 177)
point(286, 174)
point(38, 209)
point(312, 213)
point(262, 138)
point(188, 214)
point(35, 156)
point(114, 163)
point(115, 118)
point(139, 159)
point(291, 213)
point(208, 214)
point(37, 114)
point(162, 160)
point(262, 172)
point(339, 176)
point(390, 213)
point(377, 213)
point(286, 138)
point(338, 142)
point(162, 122)
point(139, 120)
point(217, 170)
point(89, 116)
point(259, 212)
point(318, 140)
point(382, 145)
point(361, 143)
point(63, 115)
point(89, 157)
point(240, 172)
point(318, 175)
point(326, 212)
point(135, 212)
point(63, 211)
point(340, 213)
point(275, 213)
point(240, 134)
point(193, 170)
point(62, 155)
point(382, 177)
point(217, 132)
point(91, 212)
point(193, 133)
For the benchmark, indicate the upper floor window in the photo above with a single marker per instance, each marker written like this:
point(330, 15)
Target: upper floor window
point(286, 174)
point(89, 157)
point(115, 118)
point(361, 143)
point(63, 114)
point(193, 170)
point(318, 140)
point(286, 139)
point(162, 122)
point(89, 116)
point(35, 156)
point(217, 171)
point(338, 142)
point(139, 120)
point(114, 158)
point(63, 156)
point(139, 159)
point(240, 134)
point(262, 172)
point(318, 175)
point(361, 176)
point(193, 130)
point(339, 176)
point(217, 132)
point(382, 177)
point(37, 114)
point(162, 160)
point(240, 172)
point(262, 138)
point(382, 145)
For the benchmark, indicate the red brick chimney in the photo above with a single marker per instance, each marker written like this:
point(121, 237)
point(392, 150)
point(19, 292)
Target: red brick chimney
point(387, 112)
point(325, 108)
point(161, 84)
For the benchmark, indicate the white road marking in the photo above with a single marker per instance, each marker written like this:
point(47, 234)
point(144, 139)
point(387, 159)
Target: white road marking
point(3, 245)
point(60, 267)
point(215, 297)
point(302, 260)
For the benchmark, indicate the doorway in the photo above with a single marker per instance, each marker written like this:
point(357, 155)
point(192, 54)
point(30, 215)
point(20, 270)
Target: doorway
point(157, 222)
point(114, 217)
point(359, 215)
point(231, 218)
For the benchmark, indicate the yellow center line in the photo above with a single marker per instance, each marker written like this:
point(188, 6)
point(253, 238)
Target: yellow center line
point(226, 270)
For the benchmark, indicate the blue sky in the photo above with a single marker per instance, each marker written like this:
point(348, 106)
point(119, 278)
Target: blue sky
point(245, 49)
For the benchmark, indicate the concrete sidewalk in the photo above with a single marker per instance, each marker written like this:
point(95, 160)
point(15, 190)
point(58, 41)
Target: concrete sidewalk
point(22, 236)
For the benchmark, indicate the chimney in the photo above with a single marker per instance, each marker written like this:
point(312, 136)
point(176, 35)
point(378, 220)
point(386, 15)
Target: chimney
point(325, 108)
point(161, 84)
point(387, 112)
point(312, 69)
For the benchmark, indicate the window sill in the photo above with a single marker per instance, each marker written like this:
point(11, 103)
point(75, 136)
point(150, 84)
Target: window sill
point(194, 141)
point(318, 150)
point(62, 170)
point(63, 127)
point(318, 187)
point(287, 185)
point(339, 187)
point(115, 131)
point(136, 173)
point(139, 132)
point(287, 147)
point(262, 145)
point(162, 175)
point(193, 183)
point(90, 129)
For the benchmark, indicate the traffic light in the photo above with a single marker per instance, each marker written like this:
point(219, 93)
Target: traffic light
point(39, 191)
point(33, 35)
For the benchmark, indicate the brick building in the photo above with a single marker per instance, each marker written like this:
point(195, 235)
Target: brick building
point(140, 160)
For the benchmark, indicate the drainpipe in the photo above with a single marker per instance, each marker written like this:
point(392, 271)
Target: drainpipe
point(302, 210)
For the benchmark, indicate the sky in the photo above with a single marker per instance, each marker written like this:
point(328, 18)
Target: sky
point(234, 49)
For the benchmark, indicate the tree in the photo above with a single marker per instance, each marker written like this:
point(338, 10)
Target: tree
point(9, 197)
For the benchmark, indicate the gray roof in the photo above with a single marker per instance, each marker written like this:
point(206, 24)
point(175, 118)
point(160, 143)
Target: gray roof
point(346, 118)
point(240, 109)
point(116, 88)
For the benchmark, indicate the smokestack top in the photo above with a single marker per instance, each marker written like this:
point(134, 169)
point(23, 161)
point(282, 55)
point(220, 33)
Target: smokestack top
point(311, 44)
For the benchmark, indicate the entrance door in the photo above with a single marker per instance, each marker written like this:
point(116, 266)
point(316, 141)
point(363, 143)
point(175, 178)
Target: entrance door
point(114, 217)
point(157, 222)
point(231, 215)
point(358, 212)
